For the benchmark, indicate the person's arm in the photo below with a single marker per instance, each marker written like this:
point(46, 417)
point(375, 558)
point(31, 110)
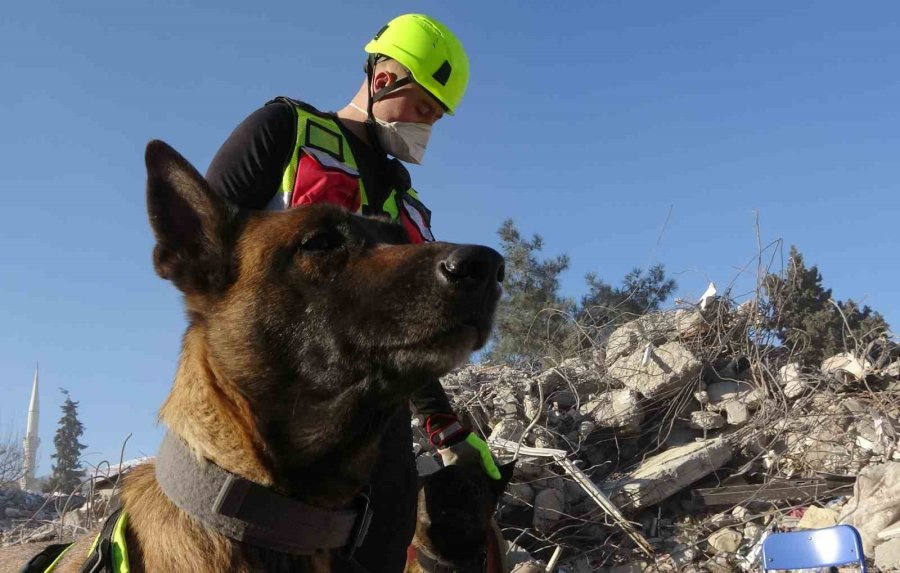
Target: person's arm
point(247, 169)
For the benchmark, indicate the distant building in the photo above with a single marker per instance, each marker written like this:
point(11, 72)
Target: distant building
point(32, 441)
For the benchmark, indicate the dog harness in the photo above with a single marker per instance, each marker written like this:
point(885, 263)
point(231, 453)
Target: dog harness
point(322, 169)
point(108, 554)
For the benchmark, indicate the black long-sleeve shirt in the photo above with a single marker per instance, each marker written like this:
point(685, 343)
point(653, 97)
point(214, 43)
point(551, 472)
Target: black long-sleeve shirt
point(248, 168)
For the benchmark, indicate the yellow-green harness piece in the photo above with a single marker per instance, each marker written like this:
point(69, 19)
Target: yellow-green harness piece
point(108, 554)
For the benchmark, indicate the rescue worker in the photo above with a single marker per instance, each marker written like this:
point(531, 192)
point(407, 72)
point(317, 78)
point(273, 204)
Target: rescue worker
point(288, 153)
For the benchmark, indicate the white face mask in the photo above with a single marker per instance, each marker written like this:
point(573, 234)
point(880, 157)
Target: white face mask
point(405, 140)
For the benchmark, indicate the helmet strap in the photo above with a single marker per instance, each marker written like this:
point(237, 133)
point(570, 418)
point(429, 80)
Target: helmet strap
point(371, 129)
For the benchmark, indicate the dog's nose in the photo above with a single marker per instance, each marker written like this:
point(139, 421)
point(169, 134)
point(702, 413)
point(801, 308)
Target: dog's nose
point(472, 266)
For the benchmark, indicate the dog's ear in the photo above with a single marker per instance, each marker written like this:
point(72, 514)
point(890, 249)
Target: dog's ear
point(191, 223)
point(506, 473)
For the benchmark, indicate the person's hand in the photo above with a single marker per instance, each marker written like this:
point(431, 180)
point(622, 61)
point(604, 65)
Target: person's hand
point(473, 452)
point(458, 445)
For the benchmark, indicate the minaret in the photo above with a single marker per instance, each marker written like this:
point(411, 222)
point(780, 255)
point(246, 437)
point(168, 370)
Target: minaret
point(32, 441)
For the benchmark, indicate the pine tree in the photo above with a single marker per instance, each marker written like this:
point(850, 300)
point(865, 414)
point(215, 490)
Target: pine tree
point(532, 319)
point(606, 306)
point(806, 320)
point(67, 472)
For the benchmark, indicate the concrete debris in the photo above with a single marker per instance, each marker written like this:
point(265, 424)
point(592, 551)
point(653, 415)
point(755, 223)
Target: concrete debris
point(887, 555)
point(875, 503)
point(725, 540)
point(818, 518)
point(706, 421)
point(671, 366)
point(847, 365)
point(669, 472)
point(615, 409)
point(678, 415)
point(548, 508)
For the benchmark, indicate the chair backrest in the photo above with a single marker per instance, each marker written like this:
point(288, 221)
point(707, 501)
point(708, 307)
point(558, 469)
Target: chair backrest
point(827, 547)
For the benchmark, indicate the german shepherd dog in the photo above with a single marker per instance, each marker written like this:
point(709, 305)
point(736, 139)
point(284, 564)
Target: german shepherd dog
point(307, 329)
point(454, 531)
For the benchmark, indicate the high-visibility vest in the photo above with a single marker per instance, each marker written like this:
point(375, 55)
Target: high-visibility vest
point(322, 148)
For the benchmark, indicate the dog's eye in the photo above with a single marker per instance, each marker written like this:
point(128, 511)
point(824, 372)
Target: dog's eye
point(325, 241)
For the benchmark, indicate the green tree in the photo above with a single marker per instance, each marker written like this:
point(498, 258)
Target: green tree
point(533, 320)
point(803, 316)
point(67, 472)
point(640, 292)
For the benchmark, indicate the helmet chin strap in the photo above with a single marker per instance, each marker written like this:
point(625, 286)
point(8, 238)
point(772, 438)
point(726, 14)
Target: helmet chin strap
point(371, 128)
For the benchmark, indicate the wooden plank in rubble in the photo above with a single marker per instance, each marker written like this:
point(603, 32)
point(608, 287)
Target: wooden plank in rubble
point(780, 490)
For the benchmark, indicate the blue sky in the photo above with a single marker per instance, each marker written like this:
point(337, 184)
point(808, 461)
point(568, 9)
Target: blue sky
point(626, 133)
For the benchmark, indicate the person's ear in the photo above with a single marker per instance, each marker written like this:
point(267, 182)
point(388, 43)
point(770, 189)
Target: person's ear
point(382, 79)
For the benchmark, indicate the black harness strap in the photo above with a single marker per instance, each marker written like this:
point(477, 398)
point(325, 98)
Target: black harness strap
point(40, 562)
point(100, 560)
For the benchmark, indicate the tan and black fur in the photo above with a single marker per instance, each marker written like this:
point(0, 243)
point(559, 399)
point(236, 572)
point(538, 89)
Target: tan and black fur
point(454, 518)
point(307, 329)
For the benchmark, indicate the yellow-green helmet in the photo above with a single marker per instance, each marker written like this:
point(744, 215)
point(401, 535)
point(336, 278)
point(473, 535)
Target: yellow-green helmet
point(429, 50)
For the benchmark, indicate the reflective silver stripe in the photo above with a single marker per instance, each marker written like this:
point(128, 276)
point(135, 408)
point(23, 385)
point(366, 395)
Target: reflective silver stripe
point(279, 202)
point(445, 433)
point(417, 219)
point(328, 160)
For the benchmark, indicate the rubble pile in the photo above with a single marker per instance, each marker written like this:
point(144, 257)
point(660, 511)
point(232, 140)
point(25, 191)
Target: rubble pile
point(27, 517)
point(704, 433)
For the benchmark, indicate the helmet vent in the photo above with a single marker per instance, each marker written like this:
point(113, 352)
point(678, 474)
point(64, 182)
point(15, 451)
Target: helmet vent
point(381, 31)
point(443, 73)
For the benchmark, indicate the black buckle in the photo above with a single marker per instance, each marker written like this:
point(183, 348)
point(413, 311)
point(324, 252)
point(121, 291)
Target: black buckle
point(361, 527)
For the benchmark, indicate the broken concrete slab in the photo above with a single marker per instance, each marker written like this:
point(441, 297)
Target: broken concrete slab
point(668, 368)
point(655, 328)
point(887, 555)
point(875, 503)
point(662, 475)
point(721, 393)
point(615, 409)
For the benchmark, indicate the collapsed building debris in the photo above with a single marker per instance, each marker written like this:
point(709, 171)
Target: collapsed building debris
point(703, 436)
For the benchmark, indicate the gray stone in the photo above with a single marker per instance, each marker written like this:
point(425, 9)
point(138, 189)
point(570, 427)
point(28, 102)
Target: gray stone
point(508, 429)
point(721, 393)
point(548, 508)
point(669, 367)
point(887, 555)
point(15, 512)
point(520, 494)
point(615, 409)
point(725, 540)
point(706, 421)
point(792, 381)
point(662, 475)
point(736, 413)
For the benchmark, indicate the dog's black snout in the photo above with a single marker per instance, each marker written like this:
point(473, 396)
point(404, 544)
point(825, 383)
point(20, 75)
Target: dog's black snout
point(472, 266)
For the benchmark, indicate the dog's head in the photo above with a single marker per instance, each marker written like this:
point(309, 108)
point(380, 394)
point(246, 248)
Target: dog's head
point(313, 320)
point(456, 504)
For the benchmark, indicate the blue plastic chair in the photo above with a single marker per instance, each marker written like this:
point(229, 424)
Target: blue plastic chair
point(829, 547)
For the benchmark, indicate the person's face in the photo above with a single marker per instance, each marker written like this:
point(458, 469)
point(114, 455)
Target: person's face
point(409, 103)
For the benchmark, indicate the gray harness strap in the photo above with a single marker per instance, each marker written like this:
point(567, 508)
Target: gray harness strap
point(248, 512)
